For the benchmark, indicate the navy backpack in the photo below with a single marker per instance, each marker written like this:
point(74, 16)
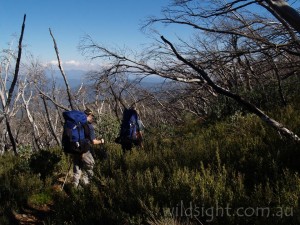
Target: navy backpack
point(129, 126)
point(76, 133)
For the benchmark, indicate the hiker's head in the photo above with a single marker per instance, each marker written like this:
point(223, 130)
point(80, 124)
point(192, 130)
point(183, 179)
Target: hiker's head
point(133, 106)
point(89, 114)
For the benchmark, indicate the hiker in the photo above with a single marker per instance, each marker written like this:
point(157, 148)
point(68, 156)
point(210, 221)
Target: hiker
point(83, 164)
point(130, 133)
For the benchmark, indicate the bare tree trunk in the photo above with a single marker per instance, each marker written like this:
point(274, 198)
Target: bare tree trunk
point(12, 88)
point(2, 142)
point(13, 84)
point(63, 73)
point(250, 107)
point(10, 135)
point(280, 89)
point(52, 130)
point(31, 120)
point(286, 12)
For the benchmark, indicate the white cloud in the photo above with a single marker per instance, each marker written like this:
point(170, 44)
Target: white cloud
point(73, 64)
point(53, 62)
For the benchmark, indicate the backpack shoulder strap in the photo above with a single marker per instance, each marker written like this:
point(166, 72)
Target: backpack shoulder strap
point(87, 132)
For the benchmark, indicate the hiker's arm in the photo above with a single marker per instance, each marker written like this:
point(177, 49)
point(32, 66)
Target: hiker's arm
point(97, 142)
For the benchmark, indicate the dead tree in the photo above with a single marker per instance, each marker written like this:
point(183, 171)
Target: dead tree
point(250, 107)
point(62, 72)
point(191, 66)
point(283, 12)
point(49, 120)
point(35, 130)
point(6, 100)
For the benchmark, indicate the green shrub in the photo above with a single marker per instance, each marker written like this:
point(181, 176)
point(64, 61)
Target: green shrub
point(44, 163)
point(107, 126)
point(182, 176)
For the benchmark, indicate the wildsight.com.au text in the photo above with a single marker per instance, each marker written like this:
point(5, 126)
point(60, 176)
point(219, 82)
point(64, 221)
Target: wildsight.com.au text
point(209, 213)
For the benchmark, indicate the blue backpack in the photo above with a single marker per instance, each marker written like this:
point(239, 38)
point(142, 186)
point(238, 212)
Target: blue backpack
point(76, 133)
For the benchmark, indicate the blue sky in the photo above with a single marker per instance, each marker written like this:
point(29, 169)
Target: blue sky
point(111, 22)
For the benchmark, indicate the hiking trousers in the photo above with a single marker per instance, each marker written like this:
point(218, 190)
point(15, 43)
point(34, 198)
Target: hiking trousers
point(83, 168)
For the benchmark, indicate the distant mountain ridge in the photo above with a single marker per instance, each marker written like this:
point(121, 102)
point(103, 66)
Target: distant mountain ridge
point(74, 77)
point(77, 77)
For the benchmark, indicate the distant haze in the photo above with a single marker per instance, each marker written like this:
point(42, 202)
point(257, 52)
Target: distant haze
point(77, 77)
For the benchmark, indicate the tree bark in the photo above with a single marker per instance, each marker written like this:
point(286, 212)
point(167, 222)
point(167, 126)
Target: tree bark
point(50, 123)
point(12, 88)
point(62, 72)
point(286, 12)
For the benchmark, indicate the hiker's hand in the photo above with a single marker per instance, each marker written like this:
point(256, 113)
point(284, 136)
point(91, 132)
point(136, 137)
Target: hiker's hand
point(98, 141)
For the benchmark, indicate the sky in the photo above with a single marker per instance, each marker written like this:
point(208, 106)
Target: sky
point(109, 22)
